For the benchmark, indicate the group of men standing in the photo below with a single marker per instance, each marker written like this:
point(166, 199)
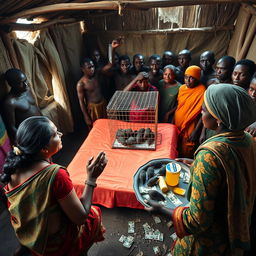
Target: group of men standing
point(136, 76)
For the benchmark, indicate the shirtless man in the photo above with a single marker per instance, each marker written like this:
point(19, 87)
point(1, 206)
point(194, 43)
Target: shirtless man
point(122, 75)
point(223, 71)
point(91, 100)
point(19, 103)
point(184, 58)
point(155, 73)
point(207, 60)
point(119, 72)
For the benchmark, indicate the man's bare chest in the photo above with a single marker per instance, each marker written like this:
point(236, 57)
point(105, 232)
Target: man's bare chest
point(24, 102)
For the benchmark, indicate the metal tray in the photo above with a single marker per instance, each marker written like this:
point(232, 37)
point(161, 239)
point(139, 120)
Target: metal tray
point(172, 200)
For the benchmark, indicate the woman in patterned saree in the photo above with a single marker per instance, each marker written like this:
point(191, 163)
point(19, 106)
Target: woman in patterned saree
point(46, 214)
point(222, 189)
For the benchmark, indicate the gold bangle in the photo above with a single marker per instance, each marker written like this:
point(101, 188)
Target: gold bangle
point(90, 183)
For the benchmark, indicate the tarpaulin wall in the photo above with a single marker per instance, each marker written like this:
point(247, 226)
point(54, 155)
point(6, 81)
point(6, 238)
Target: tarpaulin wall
point(197, 28)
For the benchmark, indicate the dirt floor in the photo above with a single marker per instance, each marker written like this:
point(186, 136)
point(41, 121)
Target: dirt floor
point(116, 223)
point(115, 220)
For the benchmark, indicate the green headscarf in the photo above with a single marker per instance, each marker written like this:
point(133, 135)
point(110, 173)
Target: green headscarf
point(230, 104)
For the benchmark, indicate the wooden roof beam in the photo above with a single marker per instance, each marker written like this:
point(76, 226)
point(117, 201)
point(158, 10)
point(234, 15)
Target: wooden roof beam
point(35, 26)
point(172, 3)
point(40, 11)
point(167, 31)
point(111, 5)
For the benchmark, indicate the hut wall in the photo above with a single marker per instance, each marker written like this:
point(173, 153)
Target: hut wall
point(157, 30)
point(243, 42)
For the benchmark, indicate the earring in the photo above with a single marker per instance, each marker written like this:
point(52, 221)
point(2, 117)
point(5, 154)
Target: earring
point(219, 123)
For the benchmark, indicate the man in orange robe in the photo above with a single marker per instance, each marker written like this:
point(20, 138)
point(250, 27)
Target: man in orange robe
point(188, 113)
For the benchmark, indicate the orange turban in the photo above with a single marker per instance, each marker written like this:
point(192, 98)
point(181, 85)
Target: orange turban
point(194, 71)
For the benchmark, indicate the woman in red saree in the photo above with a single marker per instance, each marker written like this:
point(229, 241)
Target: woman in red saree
point(46, 214)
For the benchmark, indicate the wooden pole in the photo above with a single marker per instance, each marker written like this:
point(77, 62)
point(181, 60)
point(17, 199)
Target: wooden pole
point(168, 31)
point(33, 27)
point(173, 3)
point(112, 5)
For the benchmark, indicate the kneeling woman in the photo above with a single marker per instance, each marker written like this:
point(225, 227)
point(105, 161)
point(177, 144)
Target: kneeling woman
point(46, 214)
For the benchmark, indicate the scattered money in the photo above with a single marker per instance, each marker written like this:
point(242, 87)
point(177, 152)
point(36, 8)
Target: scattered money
point(149, 235)
point(146, 227)
point(156, 250)
point(122, 238)
point(173, 236)
point(130, 238)
point(157, 219)
point(174, 199)
point(186, 178)
point(143, 190)
point(158, 236)
point(128, 242)
point(131, 227)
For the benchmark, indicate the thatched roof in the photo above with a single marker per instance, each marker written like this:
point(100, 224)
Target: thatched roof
point(68, 11)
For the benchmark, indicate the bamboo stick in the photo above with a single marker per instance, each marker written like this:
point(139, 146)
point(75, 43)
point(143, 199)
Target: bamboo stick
point(112, 5)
